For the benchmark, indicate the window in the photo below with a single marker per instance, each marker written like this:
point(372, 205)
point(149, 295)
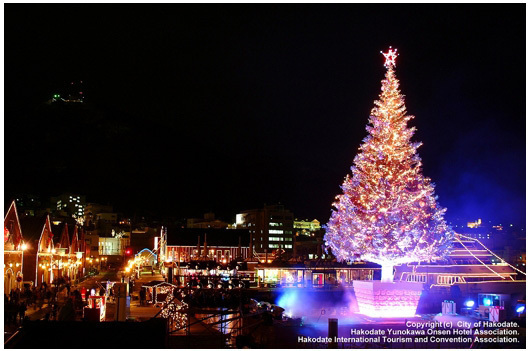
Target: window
point(448, 280)
point(275, 231)
point(288, 246)
point(418, 278)
point(273, 246)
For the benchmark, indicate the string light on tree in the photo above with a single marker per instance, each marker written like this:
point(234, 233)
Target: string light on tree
point(388, 213)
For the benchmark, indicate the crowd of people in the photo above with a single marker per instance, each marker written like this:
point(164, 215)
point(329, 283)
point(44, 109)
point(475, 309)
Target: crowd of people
point(14, 308)
point(18, 302)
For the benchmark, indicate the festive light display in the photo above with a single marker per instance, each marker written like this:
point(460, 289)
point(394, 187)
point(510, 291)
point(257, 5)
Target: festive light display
point(174, 310)
point(388, 213)
point(383, 300)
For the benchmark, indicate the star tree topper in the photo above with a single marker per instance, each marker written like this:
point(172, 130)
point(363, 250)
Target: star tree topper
point(391, 57)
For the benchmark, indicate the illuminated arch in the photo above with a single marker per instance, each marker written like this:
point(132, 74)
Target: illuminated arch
point(148, 254)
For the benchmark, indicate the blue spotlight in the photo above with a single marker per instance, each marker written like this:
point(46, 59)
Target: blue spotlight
point(520, 309)
point(487, 302)
point(469, 303)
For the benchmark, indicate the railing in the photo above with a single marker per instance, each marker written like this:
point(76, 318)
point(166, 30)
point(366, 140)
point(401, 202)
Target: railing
point(12, 339)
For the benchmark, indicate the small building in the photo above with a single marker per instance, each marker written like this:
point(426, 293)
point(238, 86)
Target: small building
point(40, 259)
point(314, 274)
point(14, 247)
point(68, 249)
point(157, 292)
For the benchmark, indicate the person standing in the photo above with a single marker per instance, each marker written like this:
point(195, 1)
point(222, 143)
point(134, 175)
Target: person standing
point(54, 311)
point(22, 311)
point(142, 297)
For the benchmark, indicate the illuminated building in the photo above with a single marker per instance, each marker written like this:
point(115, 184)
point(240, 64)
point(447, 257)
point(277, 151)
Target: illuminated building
point(471, 266)
point(69, 249)
point(475, 224)
point(314, 274)
point(40, 257)
point(71, 204)
point(219, 245)
point(14, 247)
point(271, 228)
point(306, 227)
point(113, 246)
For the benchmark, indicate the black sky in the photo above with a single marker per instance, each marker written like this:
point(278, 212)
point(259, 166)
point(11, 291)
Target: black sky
point(195, 108)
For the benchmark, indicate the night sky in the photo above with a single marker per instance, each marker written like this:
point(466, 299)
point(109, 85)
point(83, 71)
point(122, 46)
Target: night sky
point(197, 108)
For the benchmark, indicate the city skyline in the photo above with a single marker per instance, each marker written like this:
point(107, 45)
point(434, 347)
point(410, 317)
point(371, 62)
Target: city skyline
point(225, 108)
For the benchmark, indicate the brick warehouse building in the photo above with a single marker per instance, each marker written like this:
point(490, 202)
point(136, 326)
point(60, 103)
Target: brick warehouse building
point(220, 245)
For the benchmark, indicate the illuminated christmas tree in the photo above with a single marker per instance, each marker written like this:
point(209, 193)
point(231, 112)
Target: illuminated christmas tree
point(388, 213)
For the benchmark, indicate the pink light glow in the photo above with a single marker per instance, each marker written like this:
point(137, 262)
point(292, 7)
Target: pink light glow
point(387, 300)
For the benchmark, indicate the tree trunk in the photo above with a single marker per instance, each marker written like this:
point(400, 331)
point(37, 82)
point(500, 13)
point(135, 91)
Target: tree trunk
point(387, 273)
